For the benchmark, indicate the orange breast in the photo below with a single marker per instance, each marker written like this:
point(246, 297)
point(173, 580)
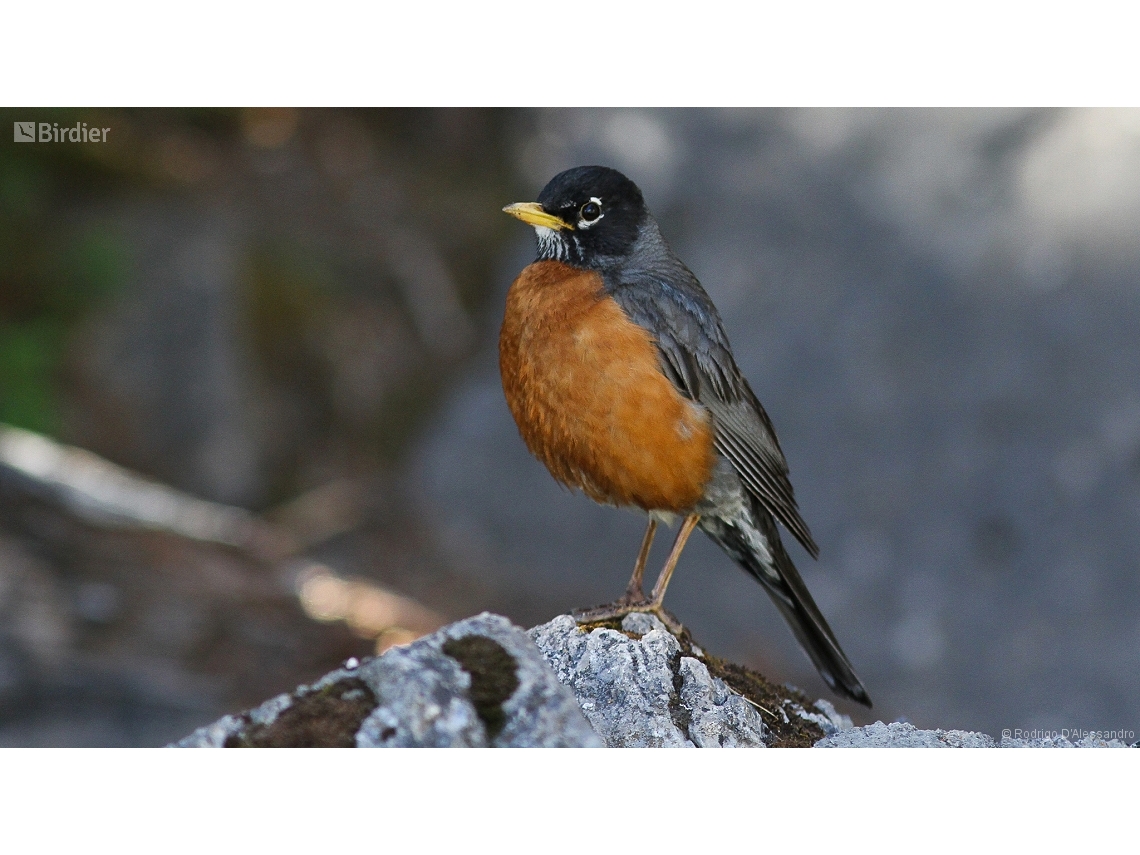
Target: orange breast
point(589, 398)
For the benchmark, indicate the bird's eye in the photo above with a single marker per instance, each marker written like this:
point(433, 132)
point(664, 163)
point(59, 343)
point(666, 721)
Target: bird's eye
point(590, 212)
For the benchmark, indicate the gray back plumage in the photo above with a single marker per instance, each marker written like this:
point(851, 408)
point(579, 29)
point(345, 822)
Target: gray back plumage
point(661, 294)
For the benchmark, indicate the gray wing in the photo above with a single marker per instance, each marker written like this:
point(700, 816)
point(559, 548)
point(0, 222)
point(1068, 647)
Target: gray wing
point(695, 356)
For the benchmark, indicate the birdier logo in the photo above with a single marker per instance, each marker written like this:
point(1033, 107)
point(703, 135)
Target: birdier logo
point(52, 132)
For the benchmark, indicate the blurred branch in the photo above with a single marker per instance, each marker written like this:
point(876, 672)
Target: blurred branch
point(109, 496)
point(103, 494)
point(321, 514)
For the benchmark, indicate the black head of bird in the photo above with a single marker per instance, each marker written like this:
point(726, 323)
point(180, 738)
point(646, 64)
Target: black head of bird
point(589, 216)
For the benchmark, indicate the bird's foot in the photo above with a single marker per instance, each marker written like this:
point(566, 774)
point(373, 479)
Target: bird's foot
point(627, 605)
point(611, 611)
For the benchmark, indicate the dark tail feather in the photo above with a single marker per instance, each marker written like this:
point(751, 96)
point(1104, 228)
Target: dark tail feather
point(783, 583)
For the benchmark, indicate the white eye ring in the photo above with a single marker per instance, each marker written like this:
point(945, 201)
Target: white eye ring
point(583, 223)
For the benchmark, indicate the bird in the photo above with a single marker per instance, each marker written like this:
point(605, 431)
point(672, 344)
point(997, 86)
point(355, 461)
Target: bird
point(619, 374)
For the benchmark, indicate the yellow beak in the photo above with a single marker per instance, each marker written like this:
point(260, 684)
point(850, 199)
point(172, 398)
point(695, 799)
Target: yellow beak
point(532, 213)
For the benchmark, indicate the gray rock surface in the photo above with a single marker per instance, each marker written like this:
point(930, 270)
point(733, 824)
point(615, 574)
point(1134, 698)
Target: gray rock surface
point(1062, 742)
point(431, 695)
point(215, 735)
point(485, 682)
point(212, 735)
point(641, 692)
point(478, 682)
point(903, 735)
point(826, 717)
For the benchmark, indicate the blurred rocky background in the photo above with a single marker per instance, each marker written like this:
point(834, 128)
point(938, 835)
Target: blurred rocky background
point(282, 325)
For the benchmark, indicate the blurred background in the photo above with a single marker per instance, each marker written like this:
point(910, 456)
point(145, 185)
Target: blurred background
point(251, 421)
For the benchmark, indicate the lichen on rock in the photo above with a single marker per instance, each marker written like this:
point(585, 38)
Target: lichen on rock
point(478, 682)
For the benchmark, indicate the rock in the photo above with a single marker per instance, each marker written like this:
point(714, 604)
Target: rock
point(485, 682)
point(477, 682)
point(718, 717)
point(638, 690)
point(213, 735)
point(827, 717)
point(1058, 741)
point(902, 735)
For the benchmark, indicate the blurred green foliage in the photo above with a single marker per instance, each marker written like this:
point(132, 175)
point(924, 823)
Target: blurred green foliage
point(53, 271)
point(327, 346)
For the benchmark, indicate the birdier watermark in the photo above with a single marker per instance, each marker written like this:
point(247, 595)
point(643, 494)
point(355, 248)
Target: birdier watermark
point(1071, 734)
point(51, 132)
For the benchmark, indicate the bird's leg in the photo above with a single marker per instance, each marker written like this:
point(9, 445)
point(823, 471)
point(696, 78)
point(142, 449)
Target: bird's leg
point(634, 600)
point(658, 595)
point(634, 593)
point(655, 605)
point(634, 597)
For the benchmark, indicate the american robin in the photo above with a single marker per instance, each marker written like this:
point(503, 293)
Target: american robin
point(620, 377)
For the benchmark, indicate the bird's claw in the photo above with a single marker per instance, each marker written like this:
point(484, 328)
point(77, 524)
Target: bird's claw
point(628, 605)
